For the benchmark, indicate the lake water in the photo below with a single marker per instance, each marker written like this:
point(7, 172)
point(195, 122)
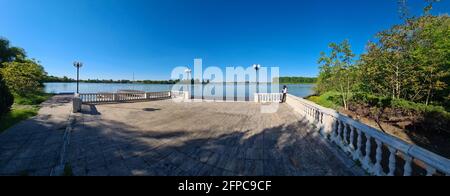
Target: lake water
point(236, 90)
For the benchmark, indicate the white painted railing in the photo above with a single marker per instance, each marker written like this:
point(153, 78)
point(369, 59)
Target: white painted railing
point(180, 94)
point(379, 153)
point(268, 97)
point(122, 97)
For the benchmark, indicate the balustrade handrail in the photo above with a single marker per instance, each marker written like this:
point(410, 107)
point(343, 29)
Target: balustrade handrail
point(131, 96)
point(268, 97)
point(438, 162)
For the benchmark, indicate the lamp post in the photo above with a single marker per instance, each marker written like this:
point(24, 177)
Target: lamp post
point(257, 67)
point(188, 73)
point(78, 65)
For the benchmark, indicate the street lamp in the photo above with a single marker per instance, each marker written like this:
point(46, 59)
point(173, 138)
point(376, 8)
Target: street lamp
point(188, 73)
point(257, 67)
point(78, 65)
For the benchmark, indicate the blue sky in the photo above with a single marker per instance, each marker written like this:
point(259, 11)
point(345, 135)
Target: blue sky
point(115, 38)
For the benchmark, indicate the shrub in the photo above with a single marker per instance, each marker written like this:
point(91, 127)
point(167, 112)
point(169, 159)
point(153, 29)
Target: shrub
point(32, 99)
point(23, 78)
point(329, 99)
point(418, 107)
point(6, 98)
point(372, 100)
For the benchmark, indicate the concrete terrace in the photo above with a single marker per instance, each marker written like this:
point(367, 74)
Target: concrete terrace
point(165, 138)
point(219, 139)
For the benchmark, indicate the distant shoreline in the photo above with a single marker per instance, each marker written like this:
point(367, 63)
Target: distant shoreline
point(281, 81)
point(84, 82)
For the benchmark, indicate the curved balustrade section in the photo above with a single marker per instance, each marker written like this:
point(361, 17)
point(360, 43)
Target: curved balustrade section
point(378, 153)
point(122, 97)
point(268, 97)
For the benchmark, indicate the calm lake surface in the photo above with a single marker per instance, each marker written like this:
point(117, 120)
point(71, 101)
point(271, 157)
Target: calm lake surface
point(238, 90)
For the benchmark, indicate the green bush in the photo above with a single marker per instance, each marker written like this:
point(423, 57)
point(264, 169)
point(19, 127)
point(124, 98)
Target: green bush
point(372, 100)
point(23, 78)
point(16, 115)
point(418, 107)
point(329, 99)
point(32, 99)
point(6, 98)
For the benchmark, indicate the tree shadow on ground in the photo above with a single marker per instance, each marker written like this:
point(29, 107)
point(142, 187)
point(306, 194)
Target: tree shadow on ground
point(31, 147)
point(151, 109)
point(431, 131)
point(103, 148)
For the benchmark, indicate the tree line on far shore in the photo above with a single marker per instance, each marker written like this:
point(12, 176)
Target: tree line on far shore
point(296, 80)
point(65, 79)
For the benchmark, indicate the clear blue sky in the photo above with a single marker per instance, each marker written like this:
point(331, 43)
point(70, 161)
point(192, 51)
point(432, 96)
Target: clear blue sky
point(115, 38)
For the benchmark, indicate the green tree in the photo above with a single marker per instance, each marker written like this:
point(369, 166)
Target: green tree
point(23, 78)
point(409, 61)
point(9, 54)
point(6, 98)
point(432, 54)
point(338, 71)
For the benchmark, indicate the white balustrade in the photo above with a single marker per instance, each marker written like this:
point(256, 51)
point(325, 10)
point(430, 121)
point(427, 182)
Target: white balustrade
point(268, 97)
point(335, 127)
point(122, 97)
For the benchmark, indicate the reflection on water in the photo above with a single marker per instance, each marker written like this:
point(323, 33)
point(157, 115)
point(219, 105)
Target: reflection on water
point(241, 92)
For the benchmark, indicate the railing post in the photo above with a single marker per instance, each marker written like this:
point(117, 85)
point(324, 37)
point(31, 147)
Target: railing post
point(339, 135)
point(378, 170)
point(430, 170)
point(334, 131)
point(358, 155)
point(344, 129)
point(367, 161)
point(77, 103)
point(327, 124)
point(392, 161)
point(407, 168)
point(352, 136)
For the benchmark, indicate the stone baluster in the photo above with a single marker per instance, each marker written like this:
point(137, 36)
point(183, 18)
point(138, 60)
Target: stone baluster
point(408, 167)
point(430, 170)
point(358, 154)
point(378, 170)
point(352, 140)
point(339, 131)
point(322, 117)
point(367, 161)
point(392, 161)
point(333, 130)
point(344, 138)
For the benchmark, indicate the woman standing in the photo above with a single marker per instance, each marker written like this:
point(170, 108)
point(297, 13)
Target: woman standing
point(285, 92)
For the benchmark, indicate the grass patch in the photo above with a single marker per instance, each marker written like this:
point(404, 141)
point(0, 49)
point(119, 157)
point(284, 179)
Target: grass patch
point(33, 99)
point(328, 100)
point(16, 115)
point(24, 108)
